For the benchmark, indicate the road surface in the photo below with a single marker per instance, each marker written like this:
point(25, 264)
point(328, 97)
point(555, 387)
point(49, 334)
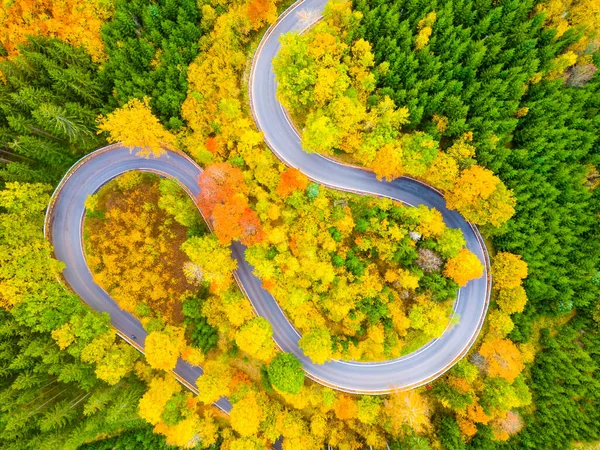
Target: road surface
point(65, 216)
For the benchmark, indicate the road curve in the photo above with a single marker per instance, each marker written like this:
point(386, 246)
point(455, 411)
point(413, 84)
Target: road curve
point(67, 209)
point(437, 356)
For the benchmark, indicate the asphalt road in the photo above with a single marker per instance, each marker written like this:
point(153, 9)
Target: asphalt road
point(415, 369)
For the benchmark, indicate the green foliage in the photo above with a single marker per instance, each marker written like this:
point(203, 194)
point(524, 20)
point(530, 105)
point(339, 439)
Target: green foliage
point(285, 373)
point(175, 201)
point(173, 411)
point(53, 400)
point(312, 191)
point(555, 227)
point(566, 383)
point(475, 73)
point(203, 335)
point(449, 434)
point(149, 45)
point(410, 442)
point(49, 99)
point(134, 439)
point(28, 273)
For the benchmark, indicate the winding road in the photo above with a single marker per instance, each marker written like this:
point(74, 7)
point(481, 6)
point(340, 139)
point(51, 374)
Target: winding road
point(67, 209)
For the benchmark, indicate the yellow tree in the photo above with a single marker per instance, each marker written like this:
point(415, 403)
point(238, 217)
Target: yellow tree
point(503, 359)
point(428, 316)
point(443, 172)
point(431, 222)
point(481, 197)
point(190, 430)
point(407, 408)
point(388, 162)
point(512, 300)
point(508, 270)
point(425, 30)
point(500, 325)
point(214, 258)
point(164, 347)
point(77, 22)
point(246, 415)
point(316, 345)
point(256, 338)
point(214, 383)
point(369, 407)
point(113, 360)
point(345, 407)
point(135, 126)
point(261, 12)
point(464, 267)
point(156, 397)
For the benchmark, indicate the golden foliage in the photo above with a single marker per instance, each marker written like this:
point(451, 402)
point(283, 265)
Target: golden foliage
point(508, 270)
point(212, 108)
point(407, 408)
point(316, 345)
point(262, 12)
point(424, 27)
point(63, 336)
point(136, 127)
point(503, 358)
point(388, 162)
point(443, 172)
point(215, 260)
point(77, 22)
point(431, 222)
point(345, 407)
point(246, 415)
point(215, 381)
point(164, 347)
point(113, 359)
point(481, 197)
point(152, 403)
point(133, 253)
point(256, 338)
point(464, 267)
point(512, 300)
point(428, 316)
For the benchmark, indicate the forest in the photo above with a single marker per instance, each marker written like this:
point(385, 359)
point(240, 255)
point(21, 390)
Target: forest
point(492, 102)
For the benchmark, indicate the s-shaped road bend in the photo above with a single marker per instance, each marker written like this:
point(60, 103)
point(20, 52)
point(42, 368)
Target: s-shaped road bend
point(67, 209)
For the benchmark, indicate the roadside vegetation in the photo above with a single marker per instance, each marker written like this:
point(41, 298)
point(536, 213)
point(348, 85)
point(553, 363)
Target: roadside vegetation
point(493, 102)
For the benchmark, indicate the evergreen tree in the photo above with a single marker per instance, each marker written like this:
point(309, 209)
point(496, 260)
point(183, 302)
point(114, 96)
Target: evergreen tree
point(149, 45)
point(50, 399)
point(49, 99)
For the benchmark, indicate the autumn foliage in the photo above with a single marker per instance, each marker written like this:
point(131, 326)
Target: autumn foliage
point(503, 359)
point(291, 180)
point(509, 270)
point(164, 347)
point(223, 201)
point(130, 251)
point(136, 127)
point(154, 400)
point(407, 408)
point(481, 197)
point(261, 12)
point(77, 22)
point(464, 267)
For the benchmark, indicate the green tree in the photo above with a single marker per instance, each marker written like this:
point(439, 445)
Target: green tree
point(286, 373)
point(50, 96)
point(149, 46)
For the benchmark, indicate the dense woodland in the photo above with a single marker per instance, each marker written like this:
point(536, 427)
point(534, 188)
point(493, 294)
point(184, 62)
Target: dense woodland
point(493, 102)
